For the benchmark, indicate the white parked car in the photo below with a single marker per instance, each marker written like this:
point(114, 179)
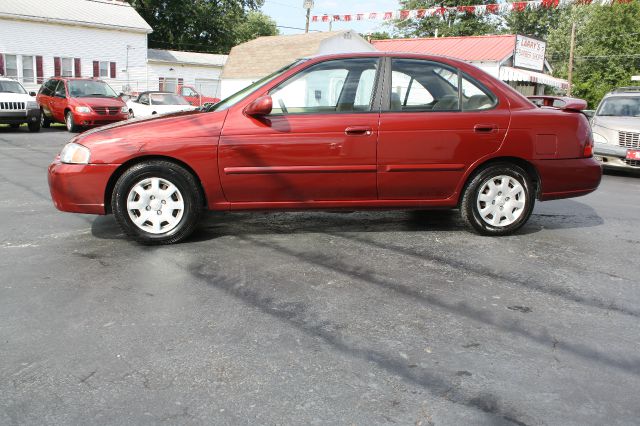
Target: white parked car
point(151, 103)
point(17, 106)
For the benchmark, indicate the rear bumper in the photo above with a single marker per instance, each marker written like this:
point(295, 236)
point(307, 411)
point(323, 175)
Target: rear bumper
point(19, 117)
point(612, 156)
point(79, 188)
point(568, 178)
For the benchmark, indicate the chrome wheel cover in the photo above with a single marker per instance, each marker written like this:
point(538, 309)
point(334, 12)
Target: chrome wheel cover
point(155, 205)
point(501, 201)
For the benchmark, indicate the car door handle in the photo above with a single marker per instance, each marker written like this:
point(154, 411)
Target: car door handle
point(358, 131)
point(485, 128)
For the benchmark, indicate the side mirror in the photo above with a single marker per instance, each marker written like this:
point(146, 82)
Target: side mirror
point(260, 107)
point(32, 93)
point(121, 94)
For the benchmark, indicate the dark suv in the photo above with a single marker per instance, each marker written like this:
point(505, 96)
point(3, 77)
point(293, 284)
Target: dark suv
point(79, 102)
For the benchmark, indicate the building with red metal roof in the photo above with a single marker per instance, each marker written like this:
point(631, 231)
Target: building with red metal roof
point(495, 54)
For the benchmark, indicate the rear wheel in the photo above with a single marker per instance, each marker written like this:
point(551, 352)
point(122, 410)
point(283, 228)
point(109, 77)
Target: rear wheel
point(157, 202)
point(15, 126)
point(69, 121)
point(44, 121)
point(498, 200)
point(131, 114)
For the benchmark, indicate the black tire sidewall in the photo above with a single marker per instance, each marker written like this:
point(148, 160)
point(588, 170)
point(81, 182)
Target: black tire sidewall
point(469, 205)
point(175, 174)
point(34, 127)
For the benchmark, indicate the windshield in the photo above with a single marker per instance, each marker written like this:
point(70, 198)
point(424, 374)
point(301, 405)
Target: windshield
point(620, 106)
point(238, 96)
point(167, 99)
point(90, 89)
point(11, 87)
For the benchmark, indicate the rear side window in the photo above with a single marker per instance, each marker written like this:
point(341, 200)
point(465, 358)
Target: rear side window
point(424, 86)
point(338, 86)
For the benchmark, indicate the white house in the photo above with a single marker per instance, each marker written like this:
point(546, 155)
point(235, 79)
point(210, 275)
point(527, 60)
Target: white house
point(75, 38)
point(95, 38)
point(257, 58)
point(168, 68)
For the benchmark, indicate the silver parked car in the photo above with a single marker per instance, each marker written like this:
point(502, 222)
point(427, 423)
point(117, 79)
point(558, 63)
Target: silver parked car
point(616, 129)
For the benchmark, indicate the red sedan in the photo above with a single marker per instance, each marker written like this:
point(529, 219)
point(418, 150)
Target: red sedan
point(357, 131)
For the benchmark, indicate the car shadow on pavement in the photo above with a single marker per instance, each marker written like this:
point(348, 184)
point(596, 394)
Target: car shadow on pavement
point(569, 214)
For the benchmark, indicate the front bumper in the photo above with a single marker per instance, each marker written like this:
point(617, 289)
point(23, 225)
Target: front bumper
point(79, 188)
point(19, 117)
point(92, 118)
point(614, 156)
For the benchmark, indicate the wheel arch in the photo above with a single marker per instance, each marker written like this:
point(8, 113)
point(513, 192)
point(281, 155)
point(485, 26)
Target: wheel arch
point(521, 162)
point(137, 160)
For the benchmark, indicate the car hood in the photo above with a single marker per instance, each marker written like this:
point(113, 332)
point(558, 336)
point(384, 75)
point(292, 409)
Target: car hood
point(16, 97)
point(625, 124)
point(130, 136)
point(100, 102)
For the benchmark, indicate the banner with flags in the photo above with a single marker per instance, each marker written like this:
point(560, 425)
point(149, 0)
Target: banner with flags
point(480, 9)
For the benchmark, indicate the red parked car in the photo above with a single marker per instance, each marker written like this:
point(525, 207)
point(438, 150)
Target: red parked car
point(194, 97)
point(79, 102)
point(358, 131)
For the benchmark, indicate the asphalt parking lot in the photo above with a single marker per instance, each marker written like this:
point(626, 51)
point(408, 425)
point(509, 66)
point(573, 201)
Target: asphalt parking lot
point(316, 318)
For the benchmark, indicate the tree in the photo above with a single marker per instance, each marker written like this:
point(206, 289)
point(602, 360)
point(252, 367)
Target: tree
point(449, 24)
point(532, 22)
point(256, 25)
point(203, 25)
point(607, 49)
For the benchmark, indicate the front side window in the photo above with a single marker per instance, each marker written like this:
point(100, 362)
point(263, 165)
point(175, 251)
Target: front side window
point(144, 99)
point(11, 66)
point(60, 91)
point(187, 91)
point(338, 86)
point(424, 86)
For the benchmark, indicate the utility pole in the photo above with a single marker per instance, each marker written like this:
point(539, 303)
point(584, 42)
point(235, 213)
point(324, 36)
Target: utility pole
point(308, 4)
point(571, 51)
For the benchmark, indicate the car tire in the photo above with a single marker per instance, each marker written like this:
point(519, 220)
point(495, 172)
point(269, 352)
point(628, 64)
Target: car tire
point(15, 126)
point(498, 200)
point(131, 114)
point(157, 202)
point(34, 126)
point(70, 122)
point(44, 121)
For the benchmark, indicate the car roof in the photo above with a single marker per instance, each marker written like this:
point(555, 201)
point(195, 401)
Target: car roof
point(57, 77)
point(150, 92)
point(625, 91)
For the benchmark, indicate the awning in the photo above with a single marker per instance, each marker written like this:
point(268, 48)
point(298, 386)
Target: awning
point(515, 74)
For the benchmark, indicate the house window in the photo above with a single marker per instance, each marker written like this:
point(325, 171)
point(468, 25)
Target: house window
point(11, 66)
point(104, 69)
point(28, 75)
point(67, 67)
point(168, 84)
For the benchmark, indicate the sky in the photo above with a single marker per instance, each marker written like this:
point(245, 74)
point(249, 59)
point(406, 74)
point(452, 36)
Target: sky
point(289, 13)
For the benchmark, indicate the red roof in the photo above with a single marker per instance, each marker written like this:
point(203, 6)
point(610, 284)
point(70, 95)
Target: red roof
point(471, 48)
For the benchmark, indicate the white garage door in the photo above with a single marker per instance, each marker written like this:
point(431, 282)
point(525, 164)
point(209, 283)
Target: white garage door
point(208, 87)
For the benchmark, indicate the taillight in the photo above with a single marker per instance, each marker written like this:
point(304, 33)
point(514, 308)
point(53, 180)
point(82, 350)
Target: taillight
point(588, 147)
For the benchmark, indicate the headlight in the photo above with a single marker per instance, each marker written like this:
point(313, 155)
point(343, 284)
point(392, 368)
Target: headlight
point(74, 153)
point(124, 109)
point(32, 105)
point(83, 109)
point(598, 138)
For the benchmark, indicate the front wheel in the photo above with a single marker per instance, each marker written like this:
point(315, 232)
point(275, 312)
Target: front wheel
point(157, 202)
point(44, 120)
point(498, 200)
point(15, 125)
point(34, 126)
point(70, 122)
